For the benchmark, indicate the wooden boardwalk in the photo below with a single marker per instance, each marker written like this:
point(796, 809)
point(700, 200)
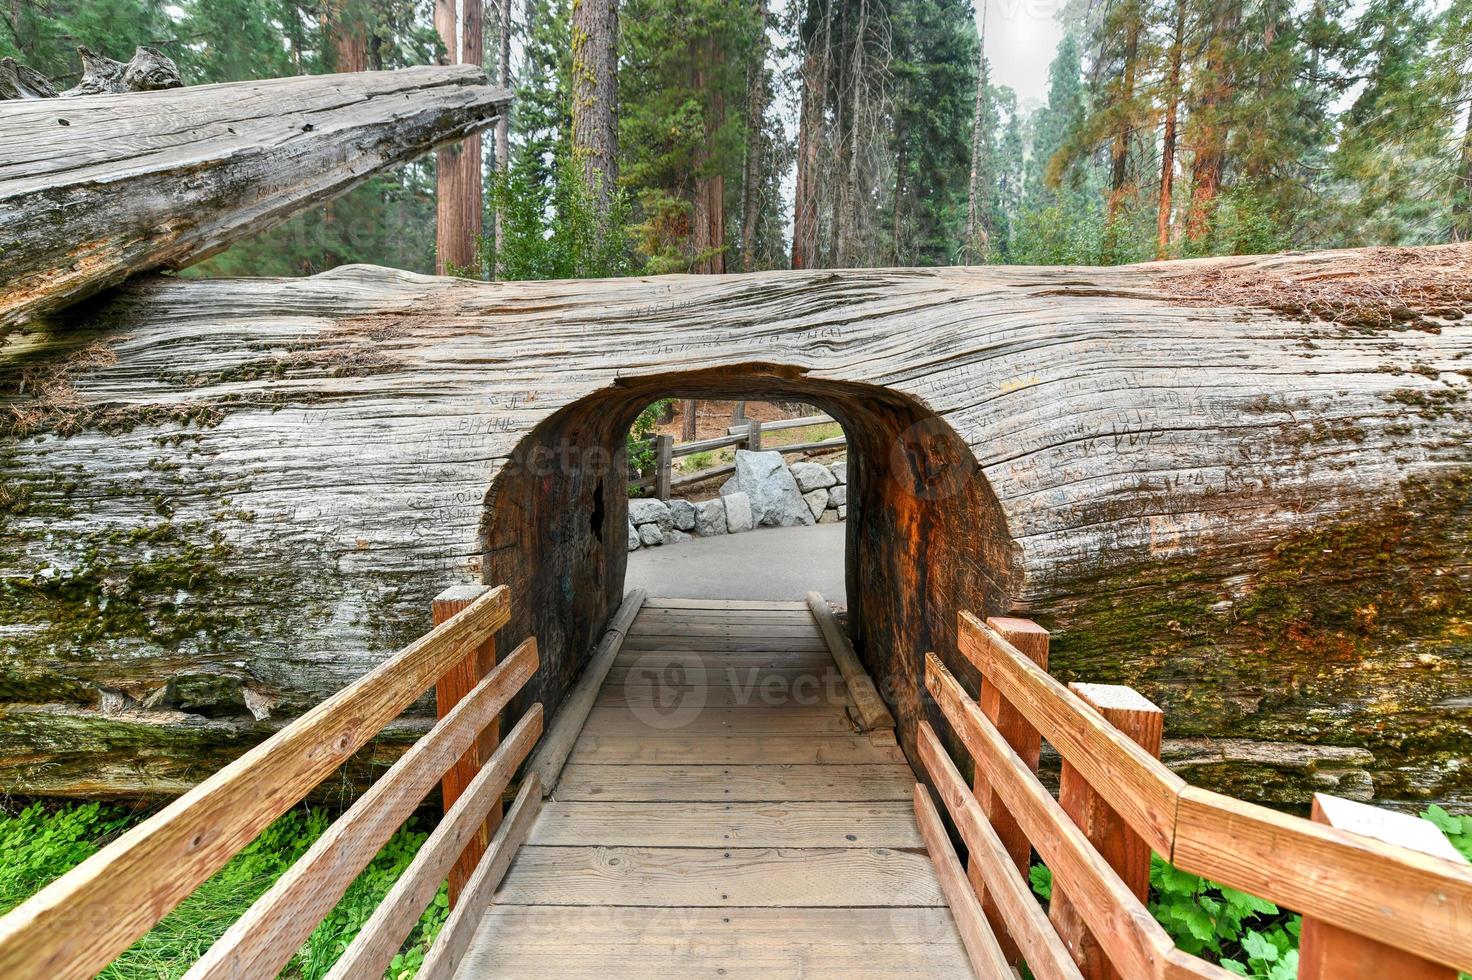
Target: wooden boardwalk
point(720, 817)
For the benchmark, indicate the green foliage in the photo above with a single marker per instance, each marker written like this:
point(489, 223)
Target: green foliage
point(934, 86)
point(39, 844)
point(1245, 934)
point(1457, 829)
point(641, 441)
point(1041, 878)
point(551, 230)
point(44, 34)
point(684, 70)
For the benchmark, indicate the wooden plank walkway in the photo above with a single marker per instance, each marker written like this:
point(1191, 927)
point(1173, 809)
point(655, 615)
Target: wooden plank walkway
point(720, 817)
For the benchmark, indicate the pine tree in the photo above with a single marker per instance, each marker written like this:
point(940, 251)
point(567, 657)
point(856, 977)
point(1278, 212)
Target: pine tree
point(980, 226)
point(683, 149)
point(1011, 165)
point(1054, 123)
point(934, 52)
point(1171, 89)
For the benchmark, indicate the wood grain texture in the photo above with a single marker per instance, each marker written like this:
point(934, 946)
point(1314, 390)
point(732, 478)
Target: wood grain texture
point(744, 643)
point(739, 605)
point(816, 662)
point(1134, 942)
point(693, 694)
point(568, 723)
point(1032, 641)
point(982, 948)
point(819, 720)
point(380, 937)
point(1021, 439)
point(128, 886)
point(727, 877)
point(1024, 919)
point(96, 188)
point(1327, 952)
point(1117, 843)
point(675, 816)
point(872, 711)
point(727, 750)
point(262, 940)
point(1404, 898)
point(822, 825)
point(1133, 781)
point(453, 685)
point(447, 953)
point(635, 943)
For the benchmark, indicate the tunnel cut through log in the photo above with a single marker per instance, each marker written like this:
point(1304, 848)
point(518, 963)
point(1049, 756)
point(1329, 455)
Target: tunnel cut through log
point(222, 500)
point(925, 534)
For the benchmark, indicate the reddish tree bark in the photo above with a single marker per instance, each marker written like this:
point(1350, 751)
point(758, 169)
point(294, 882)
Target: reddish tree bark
point(458, 205)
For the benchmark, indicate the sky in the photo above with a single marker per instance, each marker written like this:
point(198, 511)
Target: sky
point(1020, 38)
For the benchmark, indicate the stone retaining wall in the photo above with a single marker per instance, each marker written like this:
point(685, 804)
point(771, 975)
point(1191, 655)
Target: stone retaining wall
point(765, 491)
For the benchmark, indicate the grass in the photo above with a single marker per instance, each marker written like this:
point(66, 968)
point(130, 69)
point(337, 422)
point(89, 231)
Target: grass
point(806, 433)
point(40, 843)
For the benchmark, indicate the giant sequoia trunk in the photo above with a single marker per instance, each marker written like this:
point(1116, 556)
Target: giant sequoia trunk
point(595, 96)
point(459, 210)
point(1241, 485)
point(96, 188)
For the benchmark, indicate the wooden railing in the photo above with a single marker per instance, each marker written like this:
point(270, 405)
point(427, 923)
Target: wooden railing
point(1383, 895)
point(85, 919)
point(747, 435)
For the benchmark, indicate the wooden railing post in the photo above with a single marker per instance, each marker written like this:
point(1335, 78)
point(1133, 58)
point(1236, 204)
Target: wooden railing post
point(664, 459)
point(459, 681)
point(1327, 952)
point(754, 435)
point(1125, 851)
point(1032, 640)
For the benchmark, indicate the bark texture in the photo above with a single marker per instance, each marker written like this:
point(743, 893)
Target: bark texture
point(1241, 485)
point(595, 95)
point(96, 188)
point(459, 208)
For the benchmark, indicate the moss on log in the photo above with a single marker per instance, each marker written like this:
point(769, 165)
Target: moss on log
point(225, 499)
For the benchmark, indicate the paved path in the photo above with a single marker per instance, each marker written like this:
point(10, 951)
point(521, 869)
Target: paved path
point(767, 563)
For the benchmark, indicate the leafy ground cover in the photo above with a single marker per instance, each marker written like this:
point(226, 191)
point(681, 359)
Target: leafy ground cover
point(40, 842)
point(1243, 933)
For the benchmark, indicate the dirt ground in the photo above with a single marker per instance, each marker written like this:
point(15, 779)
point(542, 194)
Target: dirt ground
point(713, 418)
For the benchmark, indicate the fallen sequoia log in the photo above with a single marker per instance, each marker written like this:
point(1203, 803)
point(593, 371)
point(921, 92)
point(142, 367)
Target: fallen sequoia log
point(1242, 485)
point(99, 187)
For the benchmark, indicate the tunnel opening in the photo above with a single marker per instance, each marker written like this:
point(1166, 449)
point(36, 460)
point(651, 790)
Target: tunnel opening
point(924, 537)
point(737, 500)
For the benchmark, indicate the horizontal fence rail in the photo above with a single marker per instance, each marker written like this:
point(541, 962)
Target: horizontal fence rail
point(82, 921)
point(748, 435)
point(1394, 900)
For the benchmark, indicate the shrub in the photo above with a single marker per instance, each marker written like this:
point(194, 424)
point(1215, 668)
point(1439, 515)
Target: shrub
point(1250, 936)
